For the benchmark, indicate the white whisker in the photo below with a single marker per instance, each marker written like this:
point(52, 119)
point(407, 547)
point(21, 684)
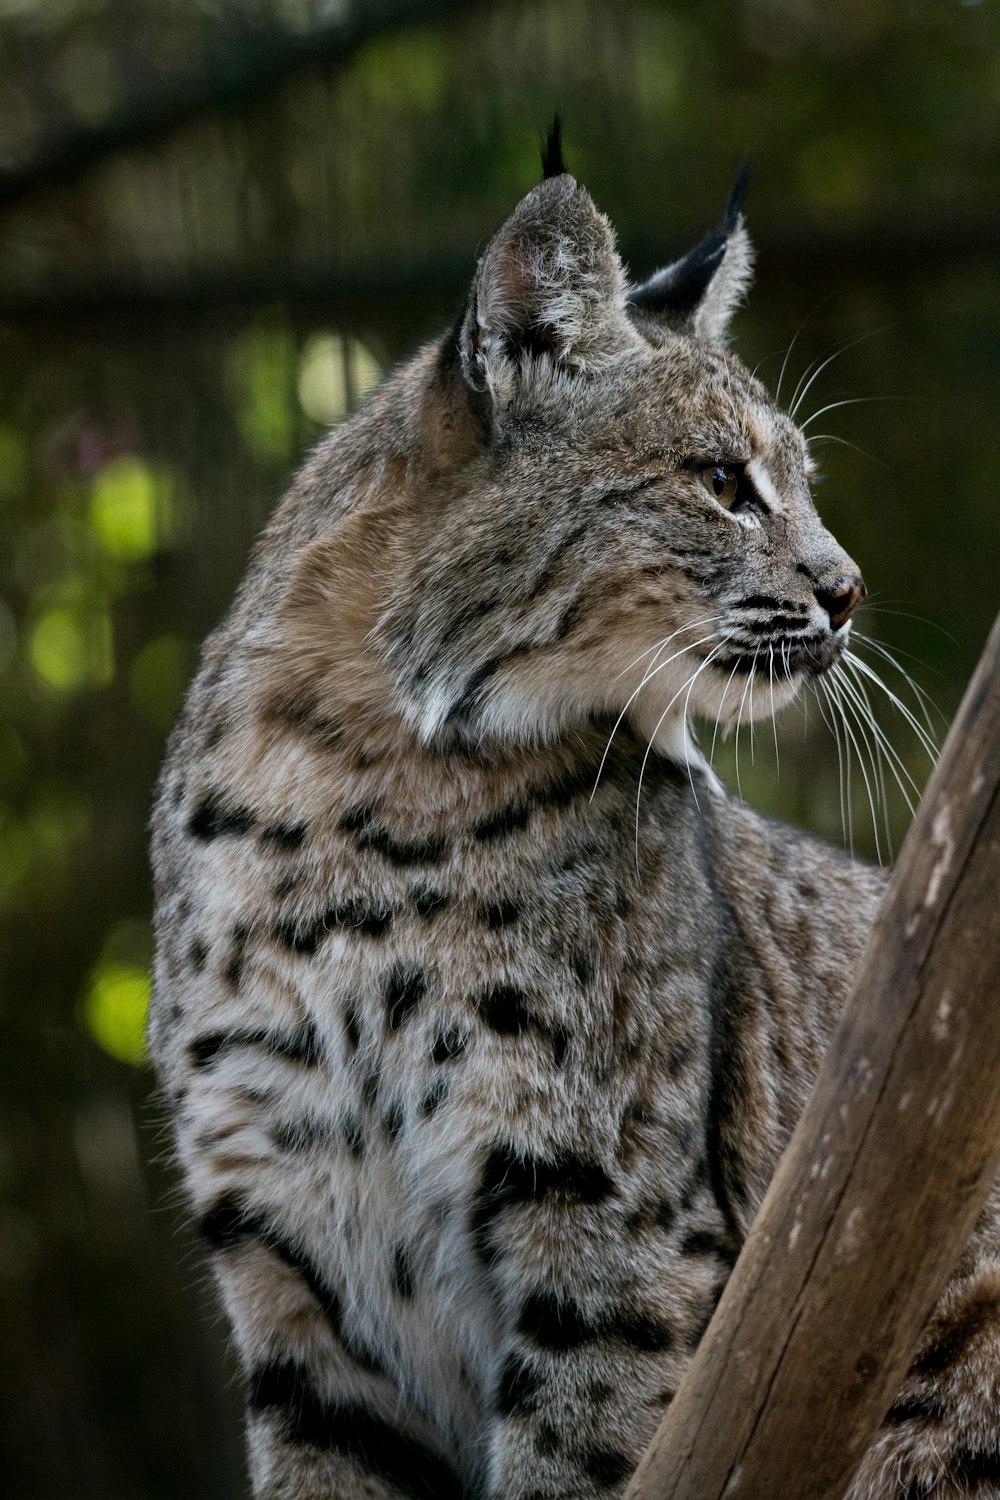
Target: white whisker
point(647, 677)
point(652, 738)
point(929, 747)
point(798, 396)
point(843, 703)
point(847, 401)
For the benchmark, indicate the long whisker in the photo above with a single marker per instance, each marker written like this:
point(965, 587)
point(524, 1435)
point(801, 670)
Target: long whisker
point(844, 703)
point(649, 748)
point(925, 702)
point(788, 351)
point(647, 677)
point(894, 758)
point(843, 760)
point(718, 714)
point(832, 437)
point(799, 395)
point(881, 609)
point(877, 797)
point(928, 744)
point(884, 751)
point(774, 722)
point(659, 645)
point(739, 722)
point(847, 401)
point(870, 735)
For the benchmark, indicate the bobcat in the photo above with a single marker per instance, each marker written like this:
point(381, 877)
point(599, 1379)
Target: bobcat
point(483, 1012)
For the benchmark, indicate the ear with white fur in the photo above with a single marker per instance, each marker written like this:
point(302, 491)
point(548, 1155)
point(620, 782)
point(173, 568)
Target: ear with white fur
point(549, 285)
point(699, 293)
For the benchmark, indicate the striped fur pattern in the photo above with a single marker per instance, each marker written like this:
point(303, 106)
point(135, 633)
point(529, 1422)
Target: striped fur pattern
point(483, 1013)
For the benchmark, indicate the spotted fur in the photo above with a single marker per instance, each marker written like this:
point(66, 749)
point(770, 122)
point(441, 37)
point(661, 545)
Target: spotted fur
point(480, 1057)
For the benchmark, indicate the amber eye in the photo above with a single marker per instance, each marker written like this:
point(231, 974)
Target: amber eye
point(722, 482)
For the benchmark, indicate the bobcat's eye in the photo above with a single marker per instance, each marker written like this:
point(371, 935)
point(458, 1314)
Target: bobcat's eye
point(729, 485)
point(722, 482)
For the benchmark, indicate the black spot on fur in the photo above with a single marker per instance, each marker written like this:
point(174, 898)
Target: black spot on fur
point(285, 836)
point(547, 1440)
point(402, 1273)
point(558, 793)
point(972, 1469)
point(354, 1138)
point(448, 1045)
point(354, 916)
point(500, 913)
point(352, 1027)
point(198, 955)
point(230, 1222)
point(214, 731)
point(504, 1009)
point(560, 1045)
point(302, 1046)
point(664, 1214)
point(917, 1408)
point(516, 1386)
point(606, 1466)
point(964, 1326)
point(434, 1098)
point(309, 1419)
point(294, 1136)
point(555, 1323)
point(404, 990)
point(370, 1084)
point(510, 1179)
point(583, 968)
point(428, 903)
point(234, 967)
point(500, 825)
point(708, 1242)
point(392, 1122)
point(370, 833)
point(212, 821)
point(558, 1323)
point(637, 1330)
point(304, 718)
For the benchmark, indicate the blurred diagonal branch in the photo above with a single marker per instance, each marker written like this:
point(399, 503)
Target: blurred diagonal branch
point(237, 72)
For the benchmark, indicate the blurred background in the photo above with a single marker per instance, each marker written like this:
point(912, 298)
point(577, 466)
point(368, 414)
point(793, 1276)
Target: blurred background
point(220, 222)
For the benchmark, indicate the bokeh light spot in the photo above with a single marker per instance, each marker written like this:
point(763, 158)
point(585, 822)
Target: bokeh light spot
point(115, 1009)
point(333, 376)
point(157, 678)
point(71, 648)
point(131, 509)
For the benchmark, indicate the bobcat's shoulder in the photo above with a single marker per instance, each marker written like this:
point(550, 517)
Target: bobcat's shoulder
point(483, 1012)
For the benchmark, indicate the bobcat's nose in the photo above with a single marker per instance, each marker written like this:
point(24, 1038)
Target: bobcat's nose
point(841, 599)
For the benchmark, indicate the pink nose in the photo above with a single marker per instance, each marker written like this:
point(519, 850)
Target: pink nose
point(842, 599)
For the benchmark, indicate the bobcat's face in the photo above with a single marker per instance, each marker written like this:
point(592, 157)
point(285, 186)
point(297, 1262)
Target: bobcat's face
point(629, 528)
point(578, 505)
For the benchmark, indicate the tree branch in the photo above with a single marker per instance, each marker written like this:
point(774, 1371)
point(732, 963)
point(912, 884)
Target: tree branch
point(882, 1182)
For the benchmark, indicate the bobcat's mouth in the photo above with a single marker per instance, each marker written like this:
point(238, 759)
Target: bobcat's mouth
point(783, 659)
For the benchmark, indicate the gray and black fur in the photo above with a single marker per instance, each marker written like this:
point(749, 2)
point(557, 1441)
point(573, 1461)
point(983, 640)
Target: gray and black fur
point(479, 1057)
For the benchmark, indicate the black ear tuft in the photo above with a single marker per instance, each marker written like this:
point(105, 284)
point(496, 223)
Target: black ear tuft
point(552, 157)
point(737, 195)
point(676, 293)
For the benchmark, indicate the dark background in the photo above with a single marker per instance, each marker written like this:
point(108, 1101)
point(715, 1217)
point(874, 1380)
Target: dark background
point(218, 223)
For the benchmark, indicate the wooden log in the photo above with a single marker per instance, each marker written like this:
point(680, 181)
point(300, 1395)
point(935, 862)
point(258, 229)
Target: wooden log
point(882, 1181)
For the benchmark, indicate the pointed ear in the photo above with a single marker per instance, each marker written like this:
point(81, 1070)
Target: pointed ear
point(699, 293)
point(550, 284)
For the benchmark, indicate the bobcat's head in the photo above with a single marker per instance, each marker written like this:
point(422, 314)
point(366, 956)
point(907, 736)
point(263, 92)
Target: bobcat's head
point(587, 505)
